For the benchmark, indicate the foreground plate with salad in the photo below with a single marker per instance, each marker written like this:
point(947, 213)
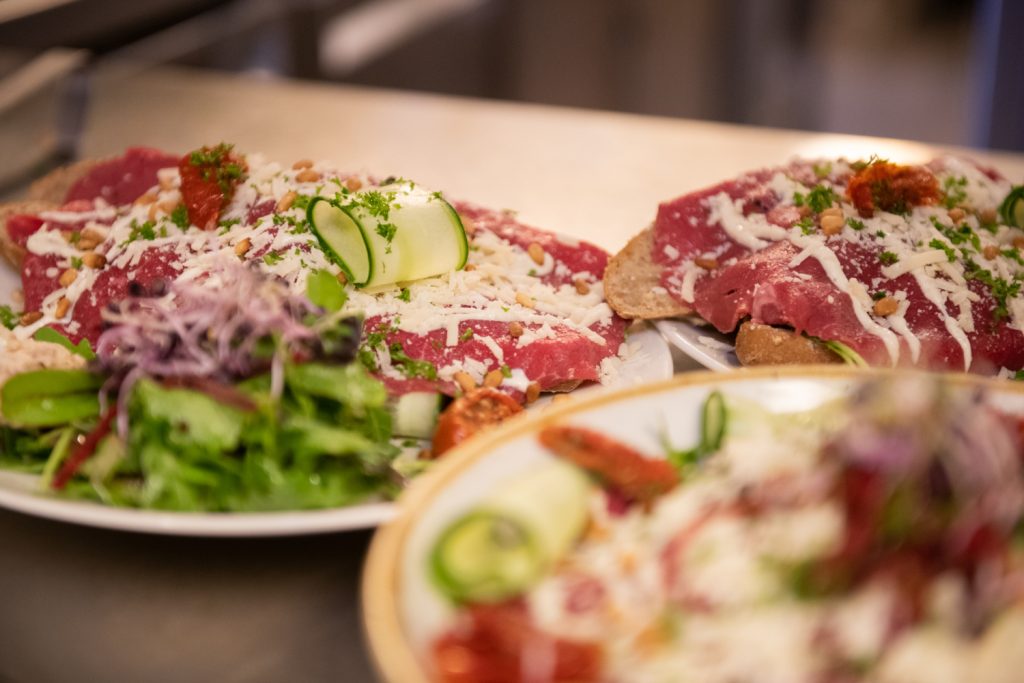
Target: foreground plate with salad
point(781, 526)
point(273, 348)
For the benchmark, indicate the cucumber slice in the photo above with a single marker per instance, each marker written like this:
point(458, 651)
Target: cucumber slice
point(505, 545)
point(1012, 208)
point(712, 423)
point(395, 233)
point(414, 415)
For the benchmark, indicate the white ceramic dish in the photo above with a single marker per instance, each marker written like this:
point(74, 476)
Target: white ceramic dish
point(649, 361)
point(402, 611)
point(701, 342)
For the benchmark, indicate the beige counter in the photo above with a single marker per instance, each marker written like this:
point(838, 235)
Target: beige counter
point(593, 175)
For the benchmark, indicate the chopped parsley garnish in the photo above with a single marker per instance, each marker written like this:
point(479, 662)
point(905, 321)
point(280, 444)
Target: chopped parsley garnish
point(272, 258)
point(806, 225)
point(8, 318)
point(145, 231)
point(506, 371)
point(410, 367)
point(820, 198)
point(76, 262)
point(217, 164)
point(405, 295)
point(301, 202)
point(387, 231)
point(180, 216)
point(955, 188)
point(855, 223)
point(1019, 375)
point(1001, 290)
point(823, 170)
point(888, 258)
point(228, 223)
point(532, 272)
point(939, 244)
point(879, 295)
point(75, 236)
point(467, 334)
point(880, 233)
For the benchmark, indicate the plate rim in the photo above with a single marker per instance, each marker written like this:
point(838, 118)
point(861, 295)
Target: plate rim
point(390, 651)
point(668, 327)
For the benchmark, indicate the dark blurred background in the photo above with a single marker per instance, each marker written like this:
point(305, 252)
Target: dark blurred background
point(944, 71)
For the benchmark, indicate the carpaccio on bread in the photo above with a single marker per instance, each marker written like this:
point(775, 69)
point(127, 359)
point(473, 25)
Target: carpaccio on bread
point(903, 265)
point(526, 313)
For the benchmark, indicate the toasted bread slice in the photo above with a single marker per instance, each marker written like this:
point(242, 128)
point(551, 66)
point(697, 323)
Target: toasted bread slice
point(632, 283)
point(758, 344)
point(53, 187)
point(10, 250)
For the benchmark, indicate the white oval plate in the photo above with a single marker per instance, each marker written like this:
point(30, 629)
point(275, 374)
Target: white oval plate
point(402, 612)
point(701, 342)
point(649, 360)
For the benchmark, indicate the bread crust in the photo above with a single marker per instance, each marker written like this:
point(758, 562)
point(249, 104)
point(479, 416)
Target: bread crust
point(632, 283)
point(10, 250)
point(45, 194)
point(758, 344)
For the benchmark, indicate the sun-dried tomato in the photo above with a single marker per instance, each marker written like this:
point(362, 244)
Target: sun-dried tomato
point(209, 177)
point(495, 645)
point(883, 186)
point(620, 467)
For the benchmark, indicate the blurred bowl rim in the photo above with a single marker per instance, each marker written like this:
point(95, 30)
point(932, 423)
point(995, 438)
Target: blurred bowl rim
point(392, 654)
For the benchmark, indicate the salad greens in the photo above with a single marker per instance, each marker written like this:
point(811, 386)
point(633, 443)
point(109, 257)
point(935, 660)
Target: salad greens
point(286, 420)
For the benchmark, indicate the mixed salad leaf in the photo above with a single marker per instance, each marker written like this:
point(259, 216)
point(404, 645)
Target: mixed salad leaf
point(239, 398)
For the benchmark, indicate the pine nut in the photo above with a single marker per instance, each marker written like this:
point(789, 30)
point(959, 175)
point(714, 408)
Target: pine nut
point(832, 211)
point(147, 198)
point(94, 260)
point(956, 214)
point(341, 277)
point(532, 392)
point(29, 317)
point(353, 184)
point(307, 176)
point(581, 286)
point(242, 247)
point(63, 304)
point(832, 224)
point(990, 251)
point(493, 379)
point(524, 299)
point(536, 253)
point(285, 202)
point(706, 263)
point(515, 329)
point(465, 381)
point(988, 216)
point(151, 214)
point(470, 267)
point(1018, 242)
point(67, 277)
point(89, 239)
point(886, 306)
point(301, 164)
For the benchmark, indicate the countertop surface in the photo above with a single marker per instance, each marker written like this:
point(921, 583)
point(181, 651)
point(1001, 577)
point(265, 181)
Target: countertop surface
point(91, 605)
